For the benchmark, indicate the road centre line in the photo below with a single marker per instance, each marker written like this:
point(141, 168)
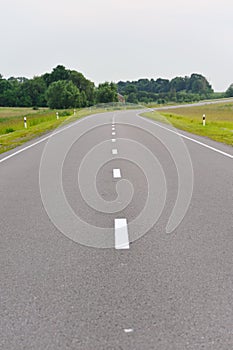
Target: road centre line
point(116, 173)
point(128, 330)
point(114, 151)
point(121, 234)
point(113, 140)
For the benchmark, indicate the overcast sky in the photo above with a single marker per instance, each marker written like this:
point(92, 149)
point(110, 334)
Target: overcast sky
point(118, 39)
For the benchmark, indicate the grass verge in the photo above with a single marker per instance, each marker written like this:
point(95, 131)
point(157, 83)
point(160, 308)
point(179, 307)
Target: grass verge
point(39, 122)
point(219, 120)
point(13, 133)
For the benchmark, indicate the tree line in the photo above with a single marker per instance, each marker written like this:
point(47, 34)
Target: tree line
point(178, 89)
point(64, 88)
point(60, 89)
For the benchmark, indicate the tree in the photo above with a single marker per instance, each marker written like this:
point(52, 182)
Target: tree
point(106, 92)
point(58, 73)
point(130, 88)
point(35, 90)
point(229, 92)
point(199, 84)
point(9, 93)
point(181, 89)
point(132, 98)
point(162, 85)
point(63, 94)
point(85, 86)
point(178, 84)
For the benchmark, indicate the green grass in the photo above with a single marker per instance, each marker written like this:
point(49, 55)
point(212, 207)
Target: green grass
point(219, 120)
point(39, 122)
point(13, 133)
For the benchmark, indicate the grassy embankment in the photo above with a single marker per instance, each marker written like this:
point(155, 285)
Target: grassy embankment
point(219, 120)
point(13, 133)
point(39, 122)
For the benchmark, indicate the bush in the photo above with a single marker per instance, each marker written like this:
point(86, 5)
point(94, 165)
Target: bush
point(8, 130)
point(64, 114)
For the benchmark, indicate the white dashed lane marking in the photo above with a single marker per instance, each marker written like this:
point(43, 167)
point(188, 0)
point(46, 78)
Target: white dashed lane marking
point(121, 228)
point(128, 330)
point(117, 173)
point(121, 234)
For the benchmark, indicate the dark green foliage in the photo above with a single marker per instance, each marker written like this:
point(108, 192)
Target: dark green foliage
point(35, 89)
point(179, 89)
point(75, 91)
point(106, 92)
point(8, 130)
point(64, 114)
point(58, 73)
point(64, 88)
point(229, 92)
point(63, 94)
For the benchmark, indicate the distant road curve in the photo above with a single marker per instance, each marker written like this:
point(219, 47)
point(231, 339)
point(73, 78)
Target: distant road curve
point(203, 103)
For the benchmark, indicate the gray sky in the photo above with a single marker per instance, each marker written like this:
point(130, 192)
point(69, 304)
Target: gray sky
point(119, 39)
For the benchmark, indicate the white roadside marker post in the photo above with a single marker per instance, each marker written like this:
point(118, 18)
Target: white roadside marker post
point(25, 122)
point(203, 120)
point(57, 114)
point(74, 111)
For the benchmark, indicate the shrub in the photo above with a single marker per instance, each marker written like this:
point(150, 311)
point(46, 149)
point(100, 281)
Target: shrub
point(8, 130)
point(64, 113)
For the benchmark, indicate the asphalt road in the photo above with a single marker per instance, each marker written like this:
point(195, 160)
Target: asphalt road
point(66, 284)
point(201, 103)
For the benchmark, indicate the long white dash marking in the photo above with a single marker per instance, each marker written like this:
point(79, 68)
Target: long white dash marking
point(121, 234)
point(117, 173)
point(113, 140)
point(113, 133)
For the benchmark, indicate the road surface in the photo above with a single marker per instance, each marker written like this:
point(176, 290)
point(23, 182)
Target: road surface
point(197, 104)
point(131, 288)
